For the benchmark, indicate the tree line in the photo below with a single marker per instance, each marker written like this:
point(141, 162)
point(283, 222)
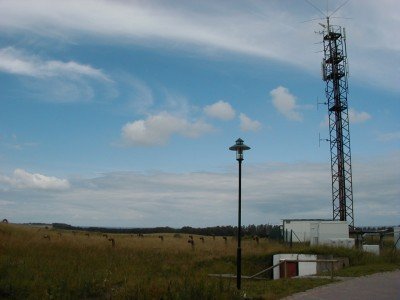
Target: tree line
point(262, 231)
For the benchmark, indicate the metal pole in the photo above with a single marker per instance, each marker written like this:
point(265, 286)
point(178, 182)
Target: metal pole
point(291, 238)
point(239, 249)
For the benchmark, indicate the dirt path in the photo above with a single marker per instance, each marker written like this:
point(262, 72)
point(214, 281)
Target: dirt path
point(378, 286)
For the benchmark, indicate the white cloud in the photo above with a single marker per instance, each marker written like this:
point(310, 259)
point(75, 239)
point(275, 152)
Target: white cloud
point(285, 103)
point(158, 129)
point(22, 179)
point(220, 110)
point(53, 80)
point(247, 124)
point(247, 28)
point(354, 117)
point(358, 117)
point(17, 62)
point(272, 192)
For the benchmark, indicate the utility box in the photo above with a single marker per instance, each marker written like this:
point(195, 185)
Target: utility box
point(322, 232)
point(343, 242)
point(371, 249)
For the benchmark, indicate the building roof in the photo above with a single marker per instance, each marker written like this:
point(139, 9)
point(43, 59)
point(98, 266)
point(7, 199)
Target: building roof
point(306, 220)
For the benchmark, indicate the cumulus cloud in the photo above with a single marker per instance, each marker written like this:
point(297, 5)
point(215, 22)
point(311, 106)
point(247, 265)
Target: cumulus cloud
point(220, 110)
point(247, 124)
point(22, 179)
point(358, 117)
point(285, 103)
point(17, 62)
point(157, 129)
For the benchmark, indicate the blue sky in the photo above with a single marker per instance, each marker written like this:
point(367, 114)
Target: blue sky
point(120, 113)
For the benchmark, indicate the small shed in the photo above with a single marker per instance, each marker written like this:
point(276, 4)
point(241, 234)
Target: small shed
point(295, 268)
point(306, 264)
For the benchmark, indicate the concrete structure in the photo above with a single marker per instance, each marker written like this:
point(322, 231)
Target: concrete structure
point(300, 269)
point(307, 266)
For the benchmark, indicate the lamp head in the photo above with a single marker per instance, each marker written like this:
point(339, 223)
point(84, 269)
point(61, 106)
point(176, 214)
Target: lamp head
point(239, 147)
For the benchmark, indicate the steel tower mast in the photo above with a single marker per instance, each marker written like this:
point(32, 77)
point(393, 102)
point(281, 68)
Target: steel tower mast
point(334, 73)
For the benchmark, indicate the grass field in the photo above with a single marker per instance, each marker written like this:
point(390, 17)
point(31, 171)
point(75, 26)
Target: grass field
point(77, 265)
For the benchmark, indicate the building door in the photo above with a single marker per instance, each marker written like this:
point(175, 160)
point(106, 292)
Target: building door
point(292, 269)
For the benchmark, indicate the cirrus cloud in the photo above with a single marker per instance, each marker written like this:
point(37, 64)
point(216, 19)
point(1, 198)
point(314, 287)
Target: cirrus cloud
point(18, 62)
point(238, 28)
point(54, 80)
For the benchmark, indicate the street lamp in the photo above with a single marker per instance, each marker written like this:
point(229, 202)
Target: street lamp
point(239, 147)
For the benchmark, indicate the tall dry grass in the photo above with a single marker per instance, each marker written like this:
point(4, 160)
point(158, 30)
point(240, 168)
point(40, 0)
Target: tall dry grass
point(80, 266)
point(85, 265)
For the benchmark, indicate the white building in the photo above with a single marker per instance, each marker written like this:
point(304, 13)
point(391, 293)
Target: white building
point(317, 232)
point(298, 230)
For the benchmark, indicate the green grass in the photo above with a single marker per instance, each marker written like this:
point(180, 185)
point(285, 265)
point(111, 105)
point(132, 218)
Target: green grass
point(83, 267)
point(368, 269)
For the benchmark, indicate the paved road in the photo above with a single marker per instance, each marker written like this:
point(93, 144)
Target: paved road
point(380, 286)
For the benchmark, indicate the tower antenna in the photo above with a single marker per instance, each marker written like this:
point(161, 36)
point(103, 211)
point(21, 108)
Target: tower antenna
point(335, 74)
point(334, 69)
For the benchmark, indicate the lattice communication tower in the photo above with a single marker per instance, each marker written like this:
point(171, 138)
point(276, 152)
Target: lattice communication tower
point(335, 73)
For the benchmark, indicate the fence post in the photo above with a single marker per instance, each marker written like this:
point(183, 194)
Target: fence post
point(332, 270)
point(291, 238)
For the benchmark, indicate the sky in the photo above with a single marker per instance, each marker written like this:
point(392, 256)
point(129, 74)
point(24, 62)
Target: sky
point(120, 113)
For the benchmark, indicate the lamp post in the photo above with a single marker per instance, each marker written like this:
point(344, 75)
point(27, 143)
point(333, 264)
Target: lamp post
point(239, 147)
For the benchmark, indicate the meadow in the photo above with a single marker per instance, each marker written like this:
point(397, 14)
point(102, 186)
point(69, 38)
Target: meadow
point(39, 263)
